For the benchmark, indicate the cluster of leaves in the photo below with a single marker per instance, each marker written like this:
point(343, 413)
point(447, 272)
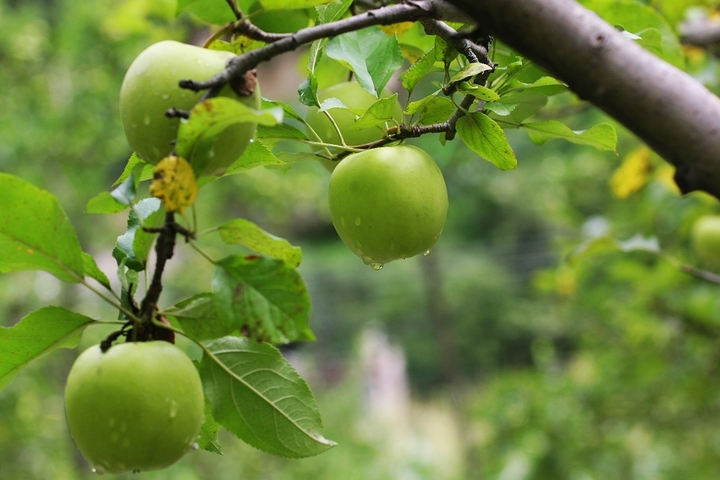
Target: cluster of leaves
point(259, 300)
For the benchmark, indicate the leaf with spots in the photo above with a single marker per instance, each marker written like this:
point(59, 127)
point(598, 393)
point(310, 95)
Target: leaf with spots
point(262, 297)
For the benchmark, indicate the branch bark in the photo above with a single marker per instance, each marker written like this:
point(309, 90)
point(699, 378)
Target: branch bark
point(666, 108)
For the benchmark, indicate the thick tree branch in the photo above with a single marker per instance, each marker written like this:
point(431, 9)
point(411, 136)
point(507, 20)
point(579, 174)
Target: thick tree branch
point(674, 114)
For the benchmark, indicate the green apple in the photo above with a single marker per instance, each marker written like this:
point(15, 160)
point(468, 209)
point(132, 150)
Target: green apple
point(706, 239)
point(150, 88)
point(353, 96)
point(138, 406)
point(388, 203)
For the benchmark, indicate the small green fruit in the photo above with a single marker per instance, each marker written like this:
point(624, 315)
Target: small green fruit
point(150, 88)
point(706, 239)
point(353, 96)
point(388, 203)
point(138, 406)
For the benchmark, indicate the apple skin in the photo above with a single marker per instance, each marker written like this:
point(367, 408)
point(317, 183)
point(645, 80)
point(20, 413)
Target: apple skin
point(150, 88)
point(139, 406)
point(353, 96)
point(388, 203)
point(706, 239)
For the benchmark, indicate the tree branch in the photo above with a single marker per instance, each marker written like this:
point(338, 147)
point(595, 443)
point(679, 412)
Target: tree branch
point(665, 107)
point(412, 10)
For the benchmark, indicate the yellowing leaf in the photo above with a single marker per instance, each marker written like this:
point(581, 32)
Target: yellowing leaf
point(174, 184)
point(632, 174)
point(398, 28)
point(665, 175)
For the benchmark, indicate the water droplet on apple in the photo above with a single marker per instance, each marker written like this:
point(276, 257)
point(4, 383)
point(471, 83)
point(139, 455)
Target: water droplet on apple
point(173, 409)
point(165, 96)
point(377, 266)
point(357, 221)
point(342, 221)
point(146, 120)
point(98, 470)
point(427, 252)
point(195, 446)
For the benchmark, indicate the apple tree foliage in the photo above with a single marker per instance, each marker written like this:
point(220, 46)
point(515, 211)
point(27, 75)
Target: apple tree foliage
point(457, 85)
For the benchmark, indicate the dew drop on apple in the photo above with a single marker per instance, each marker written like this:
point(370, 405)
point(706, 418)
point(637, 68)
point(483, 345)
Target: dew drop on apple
point(173, 409)
point(357, 221)
point(165, 96)
point(427, 252)
point(146, 120)
point(98, 470)
point(195, 446)
point(377, 266)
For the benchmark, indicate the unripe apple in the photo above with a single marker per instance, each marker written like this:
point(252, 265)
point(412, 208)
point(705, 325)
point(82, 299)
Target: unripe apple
point(388, 203)
point(138, 406)
point(150, 88)
point(353, 96)
point(706, 239)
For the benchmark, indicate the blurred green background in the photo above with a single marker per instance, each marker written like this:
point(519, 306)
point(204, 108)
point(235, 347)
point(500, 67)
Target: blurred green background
point(492, 358)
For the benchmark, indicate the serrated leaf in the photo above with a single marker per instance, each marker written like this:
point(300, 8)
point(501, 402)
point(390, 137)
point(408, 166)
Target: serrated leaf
point(372, 55)
point(218, 13)
point(104, 202)
point(245, 232)
point(259, 397)
point(37, 333)
point(134, 245)
point(287, 109)
point(283, 131)
point(500, 108)
point(198, 318)
point(35, 232)
point(436, 110)
point(333, 102)
point(470, 71)
point(331, 11)
point(130, 167)
point(93, 271)
point(264, 297)
point(483, 93)
point(601, 136)
point(485, 137)
point(255, 155)
point(125, 192)
point(413, 107)
point(308, 91)
point(208, 440)
point(210, 118)
point(548, 86)
point(412, 76)
point(290, 4)
point(377, 114)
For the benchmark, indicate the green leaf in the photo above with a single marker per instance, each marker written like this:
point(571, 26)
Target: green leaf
point(265, 297)
point(288, 110)
point(470, 71)
point(134, 245)
point(378, 114)
point(93, 271)
point(500, 108)
point(606, 244)
point(208, 440)
point(35, 232)
point(331, 11)
point(548, 86)
point(245, 232)
point(212, 11)
point(104, 203)
point(290, 4)
point(255, 155)
point(370, 53)
point(259, 397)
point(37, 333)
point(131, 166)
point(601, 136)
point(412, 76)
point(198, 318)
point(483, 93)
point(209, 119)
point(436, 110)
point(414, 107)
point(527, 104)
point(282, 130)
point(308, 92)
point(487, 139)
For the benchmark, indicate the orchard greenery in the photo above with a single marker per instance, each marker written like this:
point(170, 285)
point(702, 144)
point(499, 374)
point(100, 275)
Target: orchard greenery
point(194, 114)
